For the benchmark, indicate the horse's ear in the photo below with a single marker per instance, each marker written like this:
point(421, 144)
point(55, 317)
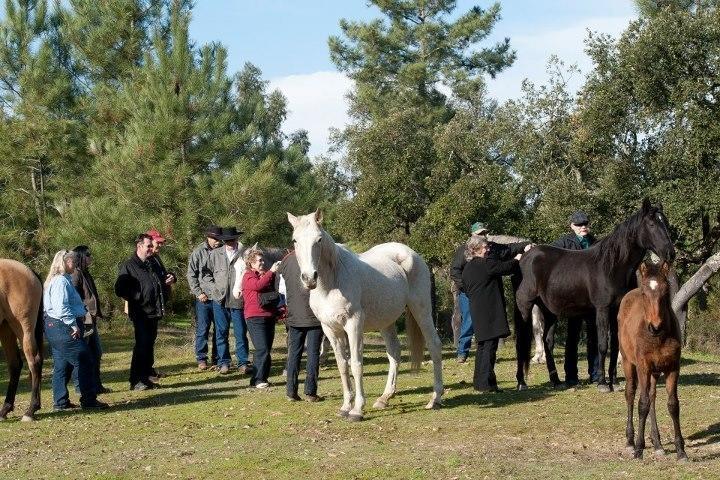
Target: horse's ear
point(646, 205)
point(643, 269)
point(318, 216)
point(292, 219)
point(665, 269)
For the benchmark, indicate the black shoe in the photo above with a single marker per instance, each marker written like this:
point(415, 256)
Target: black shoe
point(96, 405)
point(63, 408)
point(313, 398)
point(294, 398)
point(572, 382)
point(103, 389)
point(488, 390)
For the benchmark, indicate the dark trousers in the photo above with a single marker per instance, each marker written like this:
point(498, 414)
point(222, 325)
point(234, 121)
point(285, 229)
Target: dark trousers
point(204, 317)
point(68, 354)
point(93, 343)
point(143, 356)
point(297, 336)
point(571, 349)
point(262, 334)
point(484, 377)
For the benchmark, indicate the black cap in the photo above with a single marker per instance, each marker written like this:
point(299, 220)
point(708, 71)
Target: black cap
point(579, 217)
point(213, 231)
point(230, 233)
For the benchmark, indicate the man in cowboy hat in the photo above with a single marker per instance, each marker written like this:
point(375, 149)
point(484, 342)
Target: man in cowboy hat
point(226, 308)
point(198, 272)
point(498, 251)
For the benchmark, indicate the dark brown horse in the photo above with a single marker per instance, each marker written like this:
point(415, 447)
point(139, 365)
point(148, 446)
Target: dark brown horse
point(650, 345)
point(21, 319)
point(573, 283)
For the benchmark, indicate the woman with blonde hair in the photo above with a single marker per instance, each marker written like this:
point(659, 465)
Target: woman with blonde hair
point(64, 313)
point(257, 285)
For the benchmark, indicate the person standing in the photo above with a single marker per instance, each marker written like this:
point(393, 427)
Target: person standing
point(84, 283)
point(260, 319)
point(142, 289)
point(579, 239)
point(199, 274)
point(497, 251)
point(226, 308)
point(302, 327)
point(167, 279)
point(64, 312)
point(482, 280)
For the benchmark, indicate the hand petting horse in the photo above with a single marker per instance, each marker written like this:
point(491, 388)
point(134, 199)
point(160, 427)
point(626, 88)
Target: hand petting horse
point(351, 294)
point(650, 345)
point(21, 319)
point(570, 283)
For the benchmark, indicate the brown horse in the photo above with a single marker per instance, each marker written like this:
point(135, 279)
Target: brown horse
point(650, 346)
point(21, 318)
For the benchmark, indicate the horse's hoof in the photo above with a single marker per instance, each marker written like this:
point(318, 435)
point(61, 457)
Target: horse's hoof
point(522, 387)
point(630, 449)
point(354, 418)
point(27, 418)
point(343, 413)
point(604, 388)
point(433, 405)
point(380, 404)
point(659, 452)
point(3, 418)
point(682, 457)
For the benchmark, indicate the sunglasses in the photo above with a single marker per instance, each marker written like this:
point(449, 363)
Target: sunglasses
point(584, 224)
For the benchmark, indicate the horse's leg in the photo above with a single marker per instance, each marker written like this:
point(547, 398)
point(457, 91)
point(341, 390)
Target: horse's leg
point(631, 385)
point(654, 431)
point(353, 329)
point(392, 346)
point(524, 301)
point(549, 345)
point(671, 381)
point(422, 314)
point(537, 333)
point(34, 360)
point(601, 320)
point(614, 347)
point(14, 361)
point(338, 341)
point(643, 409)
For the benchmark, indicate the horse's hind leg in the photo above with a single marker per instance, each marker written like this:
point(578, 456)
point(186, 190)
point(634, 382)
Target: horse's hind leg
point(673, 403)
point(523, 329)
point(630, 387)
point(422, 314)
point(392, 346)
point(654, 431)
point(14, 361)
point(549, 345)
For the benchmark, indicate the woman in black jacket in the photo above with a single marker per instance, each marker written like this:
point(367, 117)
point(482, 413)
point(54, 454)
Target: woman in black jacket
point(482, 279)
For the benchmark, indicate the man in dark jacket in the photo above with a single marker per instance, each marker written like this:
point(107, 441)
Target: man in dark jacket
point(223, 264)
point(497, 251)
point(198, 275)
point(85, 285)
point(141, 288)
point(303, 327)
point(579, 239)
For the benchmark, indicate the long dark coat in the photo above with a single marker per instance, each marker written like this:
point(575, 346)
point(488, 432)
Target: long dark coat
point(482, 278)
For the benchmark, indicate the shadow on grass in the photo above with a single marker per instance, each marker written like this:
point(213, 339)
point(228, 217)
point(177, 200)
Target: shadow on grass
point(708, 436)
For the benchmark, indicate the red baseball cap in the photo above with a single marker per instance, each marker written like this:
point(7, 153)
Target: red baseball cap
point(155, 235)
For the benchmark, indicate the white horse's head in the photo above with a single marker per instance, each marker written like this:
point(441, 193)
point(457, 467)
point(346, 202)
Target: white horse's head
point(307, 238)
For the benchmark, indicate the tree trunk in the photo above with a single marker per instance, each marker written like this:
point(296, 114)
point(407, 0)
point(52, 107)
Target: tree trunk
point(691, 287)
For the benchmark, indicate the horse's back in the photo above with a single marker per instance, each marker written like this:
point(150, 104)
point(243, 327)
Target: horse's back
point(20, 290)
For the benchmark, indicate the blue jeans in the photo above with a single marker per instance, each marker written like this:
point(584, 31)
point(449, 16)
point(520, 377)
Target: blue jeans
point(68, 354)
point(204, 313)
point(466, 326)
point(93, 342)
point(296, 345)
point(262, 333)
point(223, 317)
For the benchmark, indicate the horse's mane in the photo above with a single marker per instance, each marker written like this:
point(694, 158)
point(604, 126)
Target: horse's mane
point(616, 248)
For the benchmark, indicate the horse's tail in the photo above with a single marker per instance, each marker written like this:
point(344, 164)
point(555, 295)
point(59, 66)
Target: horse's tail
point(415, 340)
point(39, 324)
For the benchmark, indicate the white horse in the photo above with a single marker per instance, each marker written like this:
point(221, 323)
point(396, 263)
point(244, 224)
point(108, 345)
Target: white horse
point(351, 294)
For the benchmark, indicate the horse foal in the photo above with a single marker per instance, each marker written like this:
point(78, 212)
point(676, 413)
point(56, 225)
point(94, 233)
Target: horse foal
point(650, 346)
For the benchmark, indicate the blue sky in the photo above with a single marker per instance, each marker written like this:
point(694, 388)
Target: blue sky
point(287, 40)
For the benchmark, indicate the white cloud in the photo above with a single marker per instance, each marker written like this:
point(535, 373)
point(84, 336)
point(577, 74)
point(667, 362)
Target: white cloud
point(317, 101)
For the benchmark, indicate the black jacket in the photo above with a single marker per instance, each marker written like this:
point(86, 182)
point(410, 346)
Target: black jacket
point(482, 278)
point(297, 296)
point(138, 283)
point(498, 251)
point(570, 241)
point(84, 283)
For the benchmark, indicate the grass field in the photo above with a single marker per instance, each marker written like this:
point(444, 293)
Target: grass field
point(202, 425)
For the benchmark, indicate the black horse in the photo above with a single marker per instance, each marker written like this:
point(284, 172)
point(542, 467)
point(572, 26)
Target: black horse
point(571, 283)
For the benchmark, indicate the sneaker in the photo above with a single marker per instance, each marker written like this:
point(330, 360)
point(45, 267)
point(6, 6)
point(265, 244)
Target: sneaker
point(462, 359)
point(313, 398)
point(262, 385)
point(224, 370)
point(140, 386)
point(202, 365)
point(63, 408)
point(245, 369)
point(96, 405)
point(154, 378)
point(293, 398)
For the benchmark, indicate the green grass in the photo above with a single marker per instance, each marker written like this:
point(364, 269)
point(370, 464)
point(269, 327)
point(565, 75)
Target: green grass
point(201, 425)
